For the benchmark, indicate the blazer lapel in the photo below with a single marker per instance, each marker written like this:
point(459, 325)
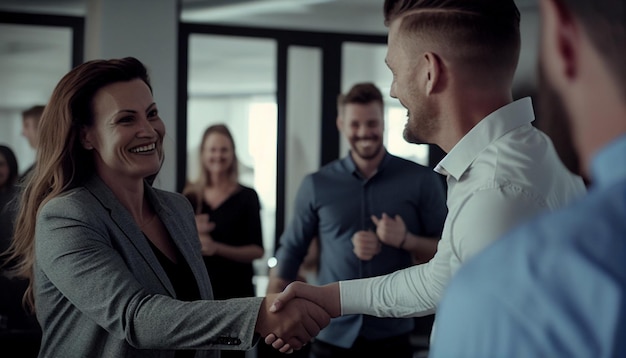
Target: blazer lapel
point(184, 239)
point(124, 222)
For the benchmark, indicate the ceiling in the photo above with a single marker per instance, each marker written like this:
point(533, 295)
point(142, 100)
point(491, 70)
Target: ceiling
point(30, 57)
point(354, 16)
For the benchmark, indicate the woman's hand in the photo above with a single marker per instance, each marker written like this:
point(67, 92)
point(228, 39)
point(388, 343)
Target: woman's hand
point(203, 224)
point(209, 247)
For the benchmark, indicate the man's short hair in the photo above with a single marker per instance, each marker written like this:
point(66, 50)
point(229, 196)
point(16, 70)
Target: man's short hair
point(361, 93)
point(482, 34)
point(34, 112)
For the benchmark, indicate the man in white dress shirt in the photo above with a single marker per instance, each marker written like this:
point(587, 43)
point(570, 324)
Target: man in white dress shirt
point(453, 64)
point(556, 286)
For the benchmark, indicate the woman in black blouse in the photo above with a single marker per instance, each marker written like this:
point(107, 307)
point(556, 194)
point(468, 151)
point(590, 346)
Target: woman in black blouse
point(227, 215)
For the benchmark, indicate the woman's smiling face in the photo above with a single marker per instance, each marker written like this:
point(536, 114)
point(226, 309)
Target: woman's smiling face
point(218, 155)
point(127, 133)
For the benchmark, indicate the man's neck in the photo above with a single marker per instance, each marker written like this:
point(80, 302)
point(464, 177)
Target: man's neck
point(468, 111)
point(368, 167)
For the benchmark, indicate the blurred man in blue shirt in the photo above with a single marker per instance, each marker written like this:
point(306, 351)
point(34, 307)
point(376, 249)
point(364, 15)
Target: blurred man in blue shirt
point(373, 213)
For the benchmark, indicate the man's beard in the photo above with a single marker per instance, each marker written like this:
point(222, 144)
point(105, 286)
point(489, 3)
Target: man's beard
point(364, 154)
point(409, 134)
point(554, 121)
point(421, 124)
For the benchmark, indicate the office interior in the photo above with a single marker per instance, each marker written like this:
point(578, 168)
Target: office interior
point(269, 69)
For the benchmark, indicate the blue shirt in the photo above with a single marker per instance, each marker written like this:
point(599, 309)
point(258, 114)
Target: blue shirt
point(336, 202)
point(555, 287)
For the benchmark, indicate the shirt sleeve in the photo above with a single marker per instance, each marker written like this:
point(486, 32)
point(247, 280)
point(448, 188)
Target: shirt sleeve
point(487, 215)
point(416, 291)
point(410, 292)
point(295, 240)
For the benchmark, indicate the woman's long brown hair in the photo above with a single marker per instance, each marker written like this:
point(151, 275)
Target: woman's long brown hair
point(62, 163)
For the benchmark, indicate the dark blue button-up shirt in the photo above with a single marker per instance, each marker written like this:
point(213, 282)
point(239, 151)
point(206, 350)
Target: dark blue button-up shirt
point(336, 202)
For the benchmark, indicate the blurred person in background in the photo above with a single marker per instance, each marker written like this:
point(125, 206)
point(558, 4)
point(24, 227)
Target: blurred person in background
point(556, 286)
point(227, 217)
point(30, 130)
point(20, 331)
point(8, 192)
point(372, 213)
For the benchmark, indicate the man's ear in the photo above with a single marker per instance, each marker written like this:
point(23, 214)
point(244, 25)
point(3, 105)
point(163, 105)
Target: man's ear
point(432, 71)
point(339, 123)
point(562, 39)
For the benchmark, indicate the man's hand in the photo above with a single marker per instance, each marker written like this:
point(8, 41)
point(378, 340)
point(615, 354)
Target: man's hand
point(297, 322)
point(366, 244)
point(391, 231)
point(326, 296)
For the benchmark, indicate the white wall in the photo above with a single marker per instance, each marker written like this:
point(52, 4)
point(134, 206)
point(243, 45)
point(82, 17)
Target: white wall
point(147, 30)
point(304, 105)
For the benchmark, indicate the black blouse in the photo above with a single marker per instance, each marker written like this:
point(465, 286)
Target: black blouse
point(237, 223)
point(182, 279)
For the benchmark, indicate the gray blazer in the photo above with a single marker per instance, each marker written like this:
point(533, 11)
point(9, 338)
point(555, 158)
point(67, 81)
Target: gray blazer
point(101, 292)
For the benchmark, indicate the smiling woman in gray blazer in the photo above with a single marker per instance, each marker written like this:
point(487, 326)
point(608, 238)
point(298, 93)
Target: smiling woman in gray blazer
point(114, 264)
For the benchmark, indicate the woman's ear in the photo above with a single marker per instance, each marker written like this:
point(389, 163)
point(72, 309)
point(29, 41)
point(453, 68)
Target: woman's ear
point(84, 139)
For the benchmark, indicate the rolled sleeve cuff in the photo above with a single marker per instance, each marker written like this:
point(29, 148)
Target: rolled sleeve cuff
point(353, 301)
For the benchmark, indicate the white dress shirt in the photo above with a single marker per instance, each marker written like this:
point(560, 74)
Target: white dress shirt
point(500, 173)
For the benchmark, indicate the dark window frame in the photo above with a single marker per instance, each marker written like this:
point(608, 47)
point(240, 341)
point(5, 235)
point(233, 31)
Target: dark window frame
point(75, 23)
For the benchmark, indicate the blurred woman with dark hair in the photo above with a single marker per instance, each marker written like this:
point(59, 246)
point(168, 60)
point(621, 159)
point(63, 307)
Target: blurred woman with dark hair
point(8, 194)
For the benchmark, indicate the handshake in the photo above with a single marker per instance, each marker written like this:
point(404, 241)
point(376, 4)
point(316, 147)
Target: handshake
point(290, 319)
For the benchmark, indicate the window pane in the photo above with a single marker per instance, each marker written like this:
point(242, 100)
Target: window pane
point(32, 61)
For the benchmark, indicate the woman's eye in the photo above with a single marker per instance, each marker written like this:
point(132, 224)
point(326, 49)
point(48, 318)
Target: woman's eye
point(127, 119)
point(153, 113)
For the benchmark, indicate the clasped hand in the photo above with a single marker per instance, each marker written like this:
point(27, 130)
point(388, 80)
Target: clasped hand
point(298, 321)
point(389, 231)
point(324, 297)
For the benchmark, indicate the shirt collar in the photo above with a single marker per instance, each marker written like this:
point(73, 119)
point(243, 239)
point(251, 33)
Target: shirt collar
point(609, 164)
point(489, 129)
point(349, 164)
